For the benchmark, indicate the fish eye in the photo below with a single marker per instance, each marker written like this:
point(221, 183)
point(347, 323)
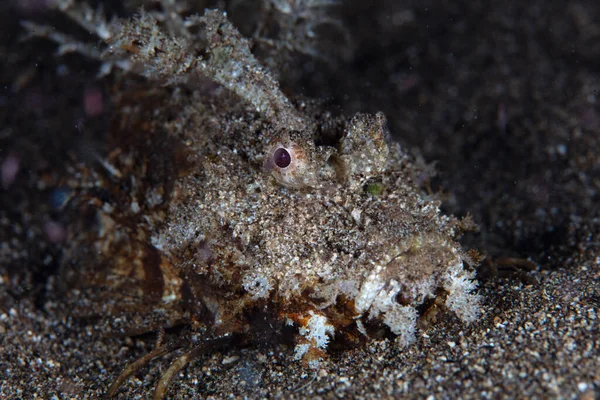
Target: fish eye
point(289, 164)
point(282, 158)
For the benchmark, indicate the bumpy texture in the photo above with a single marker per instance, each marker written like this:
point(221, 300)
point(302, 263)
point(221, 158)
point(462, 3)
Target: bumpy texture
point(372, 239)
point(463, 82)
point(189, 218)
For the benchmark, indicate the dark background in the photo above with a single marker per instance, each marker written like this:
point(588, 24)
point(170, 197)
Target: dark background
point(502, 95)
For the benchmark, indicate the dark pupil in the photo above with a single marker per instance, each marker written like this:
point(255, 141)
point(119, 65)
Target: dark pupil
point(282, 158)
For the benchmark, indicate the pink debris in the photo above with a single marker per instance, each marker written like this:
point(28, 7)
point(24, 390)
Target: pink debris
point(502, 117)
point(93, 101)
point(10, 168)
point(407, 82)
point(55, 231)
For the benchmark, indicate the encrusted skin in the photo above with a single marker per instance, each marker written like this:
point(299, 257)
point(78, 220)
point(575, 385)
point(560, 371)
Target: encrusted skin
point(184, 218)
point(218, 235)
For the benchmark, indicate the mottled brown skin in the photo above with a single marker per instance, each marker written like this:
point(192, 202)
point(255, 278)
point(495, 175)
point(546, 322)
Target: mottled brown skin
point(188, 219)
point(195, 230)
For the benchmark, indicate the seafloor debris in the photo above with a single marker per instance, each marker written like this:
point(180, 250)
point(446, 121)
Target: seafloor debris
point(218, 199)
